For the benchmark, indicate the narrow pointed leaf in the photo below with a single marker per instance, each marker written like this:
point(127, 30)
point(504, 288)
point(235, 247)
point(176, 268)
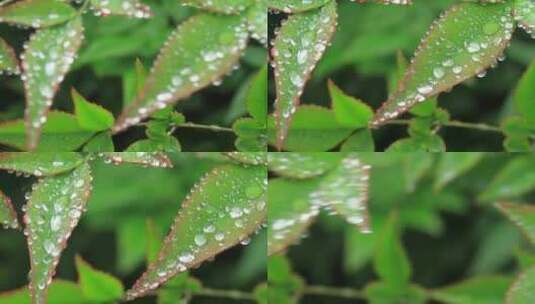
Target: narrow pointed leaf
point(220, 6)
point(40, 164)
point(290, 211)
point(149, 159)
point(302, 165)
point(91, 116)
point(344, 190)
point(250, 158)
point(522, 216)
point(524, 11)
point(199, 52)
point(54, 208)
point(483, 290)
point(453, 165)
point(49, 54)
point(464, 42)
point(258, 21)
point(8, 59)
point(350, 112)
point(296, 6)
point(97, 286)
point(224, 208)
point(300, 43)
point(8, 217)
point(130, 8)
point(521, 292)
point(37, 13)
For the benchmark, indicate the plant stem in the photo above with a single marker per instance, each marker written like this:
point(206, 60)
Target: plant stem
point(219, 293)
point(455, 124)
point(205, 127)
point(348, 293)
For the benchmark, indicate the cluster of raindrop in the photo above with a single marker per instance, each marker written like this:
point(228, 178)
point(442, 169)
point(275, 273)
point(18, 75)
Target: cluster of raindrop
point(146, 159)
point(47, 58)
point(54, 208)
point(483, 46)
point(8, 60)
point(299, 165)
point(300, 43)
point(130, 8)
point(258, 21)
point(177, 72)
point(525, 15)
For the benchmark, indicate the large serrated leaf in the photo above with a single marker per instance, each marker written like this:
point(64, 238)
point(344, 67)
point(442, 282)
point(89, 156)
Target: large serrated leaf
point(521, 292)
point(199, 52)
point(483, 290)
point(130, 8)
point(148, 159)
point(522, 215)
point(220, 6)
point(8, 59)
point(8, 217)
point(295, 6)
point(37, 13)
point(40, 164)
point(49, 54)
point(300, 43)
point(224, 208)
point(290, 211)
point(302, 165)
point(464, 42)
point(524, 11)
point(54, 208)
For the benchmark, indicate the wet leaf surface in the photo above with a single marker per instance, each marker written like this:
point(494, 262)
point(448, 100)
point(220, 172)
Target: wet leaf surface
point(8, 217)
point(148, 159)
point(40, 164)
point(8, 59)
point(37, 13)
point(130, 8)
point(221, 6)
point(295, 6)
point(521, 292)
point(302, 165)
point(524, 11)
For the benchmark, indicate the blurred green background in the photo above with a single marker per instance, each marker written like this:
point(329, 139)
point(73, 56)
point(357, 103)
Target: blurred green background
point(363, 55)
point(108, 55)
point(112, 234)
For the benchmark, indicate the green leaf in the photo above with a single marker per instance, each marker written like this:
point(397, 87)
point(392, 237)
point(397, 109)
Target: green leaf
point(167, 144)
point(300, 43)
point(522, 215)
point(48, 56)
point(179, 289)
point(360, 141)
point(521, 292)
point(8, 216)
point(313, 129)
point(390, 261)
point(477, 290)
point(415, 166)
point(464, 42)
point(257, 96)
point(97, 286)
point(59, 292)
point(515, 179)
point(90, 116)
point(430, 143)
point(251, 135)
point(133, 82)
point(296, 6)
point(524, 12)
point(60, 133)
point(37, 13)
point(224, 208)
point(200, 51)
point(147, 159)
point(453, 165)
point(284, 285)
point(349, 112)
point(54, 208)
point(382, 293)
point(130, 8)
point(250, 158)
point(524, 94)
point(220, 6)
point(302, 165)
point(100, 143)
point(290, 211)
point(154, 240)
point(8, 59)
point(40, 164)
point(258, 21)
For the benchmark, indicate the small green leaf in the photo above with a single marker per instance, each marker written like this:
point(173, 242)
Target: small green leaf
point(521, 292)
point(133, 82)
point(154, 240)
point(258, 21)
point(478, 290)
point(148, 159)
point(524, 95)
point(251, 135)
point(302, 165)
point(130, 8)
point(200, 51)
point(300, 43)
point(49, 54)
point(59, 292)
point(284, 284)
point(524, 11)
point(391, 262)
point(257, 96)
point(97, 286)
point(453, 165)
point(522, 215)
point(430, 143)
point(60, 133)
point(515, 179)
point(54, 208)
point(8, 216)
point(296, 6)
point(100, 143)
point(464, 42)
point(224, 208)
point(290, 211)
point(8, 59)
point(383, 293)
point(37, 13)
point(360, 141)
point(250, 158)
point(90, 116)
point(40, 164)
point(349, 112)
point(167, 144)
point(220, 6)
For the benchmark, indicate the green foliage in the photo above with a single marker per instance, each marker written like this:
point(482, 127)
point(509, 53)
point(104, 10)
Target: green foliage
point(8, 217)
point(91, 117)
point(97, 286)
point(37, 13)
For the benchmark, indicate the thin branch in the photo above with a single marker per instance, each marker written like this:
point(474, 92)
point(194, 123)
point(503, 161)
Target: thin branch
point(205, 127)
point(219, 293)
point(455, 124)
point(327, 291)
